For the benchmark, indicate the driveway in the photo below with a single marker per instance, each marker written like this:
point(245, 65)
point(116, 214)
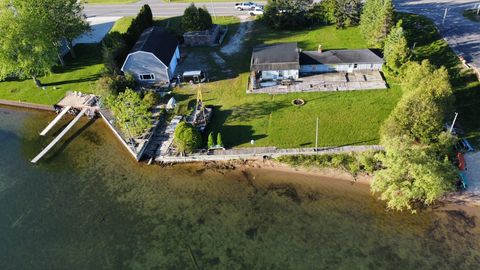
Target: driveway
point(100, 27)
point(461, 34)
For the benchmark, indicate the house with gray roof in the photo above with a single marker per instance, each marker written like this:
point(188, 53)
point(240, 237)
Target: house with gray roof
point(349, 61)
point(154, 57)
point(275, 62)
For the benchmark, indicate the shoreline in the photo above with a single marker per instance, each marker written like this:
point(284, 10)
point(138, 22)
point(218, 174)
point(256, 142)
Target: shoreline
point(26, 105)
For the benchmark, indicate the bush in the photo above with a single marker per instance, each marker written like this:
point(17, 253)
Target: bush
point(211, 141)
point(196, 19)
point(219, 139)
point(286, 14)
point(151, 98)
point(186, 138)
point(114, 84)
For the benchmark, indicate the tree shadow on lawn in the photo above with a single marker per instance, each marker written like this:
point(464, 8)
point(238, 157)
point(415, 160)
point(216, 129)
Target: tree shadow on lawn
point(86, 55)
point(232, 135)
point(251, 111)
point(90, 78)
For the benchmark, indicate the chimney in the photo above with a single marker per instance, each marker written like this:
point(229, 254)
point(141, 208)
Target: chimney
point(320, 48)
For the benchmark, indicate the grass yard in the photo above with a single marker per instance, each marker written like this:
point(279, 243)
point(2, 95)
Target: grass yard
point(79, 74)
point(271, 120)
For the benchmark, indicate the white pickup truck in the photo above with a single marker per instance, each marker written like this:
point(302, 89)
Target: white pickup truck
point(245, 6)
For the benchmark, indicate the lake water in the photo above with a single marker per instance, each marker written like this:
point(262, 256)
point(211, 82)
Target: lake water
point(88, 205)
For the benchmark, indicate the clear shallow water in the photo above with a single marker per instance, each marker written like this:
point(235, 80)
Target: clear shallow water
point(89, 206)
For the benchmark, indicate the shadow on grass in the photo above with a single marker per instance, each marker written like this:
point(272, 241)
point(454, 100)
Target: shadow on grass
point(90, 78)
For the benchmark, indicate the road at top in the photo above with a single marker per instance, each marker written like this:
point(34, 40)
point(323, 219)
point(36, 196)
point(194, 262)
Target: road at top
point(462, 34)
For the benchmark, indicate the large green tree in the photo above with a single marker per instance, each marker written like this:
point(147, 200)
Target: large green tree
point(67, 21)
point(396, 52)
point(417, 166)
point(286, 14)
point(31, 32)
point(196, 19)
point(131, 112)
point(376, 21)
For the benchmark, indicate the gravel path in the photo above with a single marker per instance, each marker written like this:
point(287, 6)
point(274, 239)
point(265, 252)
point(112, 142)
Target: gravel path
point(235, 43)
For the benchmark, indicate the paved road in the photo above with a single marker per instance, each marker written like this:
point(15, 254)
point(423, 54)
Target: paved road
point(462, 34)
point(160, 9)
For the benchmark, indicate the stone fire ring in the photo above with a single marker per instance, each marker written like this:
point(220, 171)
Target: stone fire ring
point(298, 102)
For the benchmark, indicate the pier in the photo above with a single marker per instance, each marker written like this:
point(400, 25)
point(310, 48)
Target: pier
point(72, 102)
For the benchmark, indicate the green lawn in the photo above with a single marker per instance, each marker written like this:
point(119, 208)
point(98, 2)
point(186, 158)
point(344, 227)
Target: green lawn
point(471, 14)
point(122, 24)
point(79, 74)
point(271, 120)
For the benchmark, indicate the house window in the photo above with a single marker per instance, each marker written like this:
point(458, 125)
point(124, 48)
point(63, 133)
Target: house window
point(355, 66)
point(147, 77)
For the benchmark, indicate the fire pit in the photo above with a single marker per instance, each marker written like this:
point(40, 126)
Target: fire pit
point(298, 102)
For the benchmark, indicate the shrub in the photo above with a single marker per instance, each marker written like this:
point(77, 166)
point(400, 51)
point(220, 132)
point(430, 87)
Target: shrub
point(186, 138)
point(114, 84)
point(219, 139)
point(151, 98)
point(114, 52)
point(211, 142)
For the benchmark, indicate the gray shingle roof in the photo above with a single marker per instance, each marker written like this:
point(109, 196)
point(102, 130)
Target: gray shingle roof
point(159, 41)
point(275, 57)
point(364, 56)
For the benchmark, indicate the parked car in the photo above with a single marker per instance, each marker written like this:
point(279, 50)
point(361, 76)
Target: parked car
point(256, 11)
point(245, 6)
point(195, 76)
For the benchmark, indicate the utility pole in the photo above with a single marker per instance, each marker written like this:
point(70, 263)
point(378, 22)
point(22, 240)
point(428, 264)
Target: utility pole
point(213, 9)
point(453, 123)
point(316, 137)
point(445, 15)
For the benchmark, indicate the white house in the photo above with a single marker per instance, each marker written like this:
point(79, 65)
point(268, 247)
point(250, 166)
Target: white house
point(275, 62)
point(312, 62)
point(154, 57)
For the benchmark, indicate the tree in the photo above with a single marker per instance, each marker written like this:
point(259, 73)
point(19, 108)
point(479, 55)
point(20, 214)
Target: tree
point(376, 21)
point(327, 8)
point(219, 139)
point(396, 51)
point(142, 21)
point(211, 142)
point(186, 138)
point(196, 19)
point(413, 177)
point(114, 84)
point(347, 12)
point(132, 114)
point(67, 22)
point(26, 45)
point(114, 52)
point(204, 19)
point(286, 14)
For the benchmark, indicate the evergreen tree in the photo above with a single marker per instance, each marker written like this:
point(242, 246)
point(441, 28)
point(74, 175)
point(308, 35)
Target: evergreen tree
point(219, 139)
point(186, 138)
point(211, 142)
point(376, 21)
point(204, 19)
point(396, 51)
point(196, 19)
point(142, 21)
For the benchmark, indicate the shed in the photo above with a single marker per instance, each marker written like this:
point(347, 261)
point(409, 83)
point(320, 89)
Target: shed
point(339, 61)
point(154, 57)
point(277, 61)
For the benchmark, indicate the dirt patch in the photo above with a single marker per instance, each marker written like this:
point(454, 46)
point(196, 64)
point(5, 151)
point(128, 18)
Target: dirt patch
point(235, 43)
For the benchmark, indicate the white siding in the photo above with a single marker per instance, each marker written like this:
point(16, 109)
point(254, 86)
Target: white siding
point(338, 68)
point(279, 74)
point(145, 63)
